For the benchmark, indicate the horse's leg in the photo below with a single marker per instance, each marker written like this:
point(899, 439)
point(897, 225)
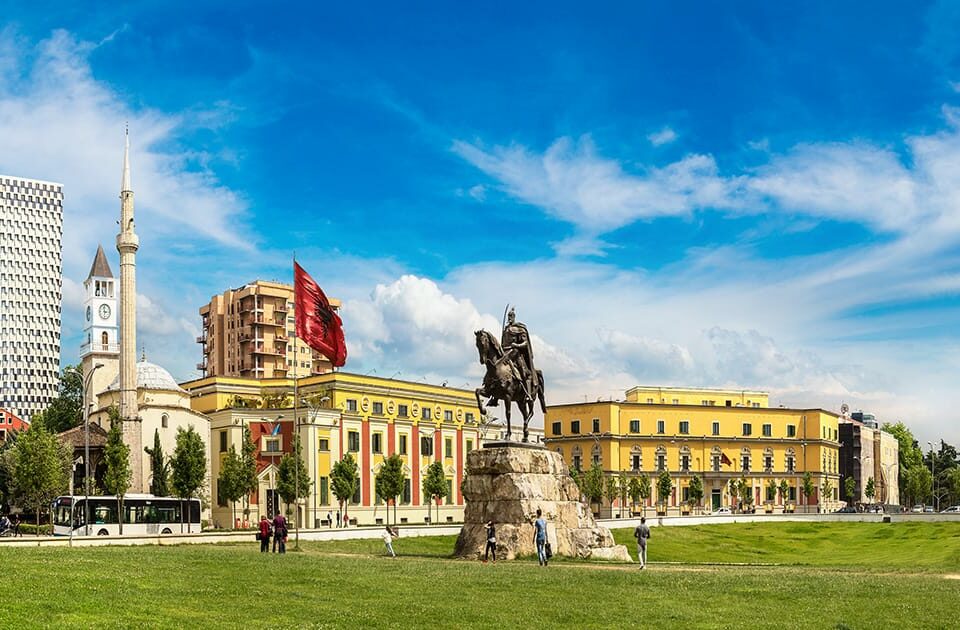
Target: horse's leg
point(508, 403)
point(483, 410)
point(527, 414)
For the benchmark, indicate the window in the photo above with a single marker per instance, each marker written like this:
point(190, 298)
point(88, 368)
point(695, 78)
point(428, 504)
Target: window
point(767, 430)
point(575, 426)
point(164, 420)
point(716, 428)
point(676, 401)
point(577, 465)
point(449, 496)
point(469, 445)
point(771, 493)
point(403, 411)
point(448, 447)
point(768, 463)
point(685, 463)
point(557, 428)
point(635, 462)
point(378, 408)
point(596, 425)
point(403, 444)
point(223, 442)
point(715, 463)
point(792, 494)
point(791, 430)
point(745, 463)
point(356, 497)
point(649, 401)
point(448, 416)
point(324, 490)
point(661, 426)
point(353, 441)
point(425, 413)
point(377, 444)
point(634, 426)
point(469, 417)
point(684, 426)
point(351, 405)
point(271, 445)
point(405, 498)
point(834, 435)
point(661, 462)
point(426, 446)
point(747, 428)
point(324, 444)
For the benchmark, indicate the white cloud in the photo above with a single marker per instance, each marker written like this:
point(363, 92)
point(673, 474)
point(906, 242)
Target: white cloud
point(662, 137)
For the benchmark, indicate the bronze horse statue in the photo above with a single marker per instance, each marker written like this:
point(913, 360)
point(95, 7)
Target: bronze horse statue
point(501, 382)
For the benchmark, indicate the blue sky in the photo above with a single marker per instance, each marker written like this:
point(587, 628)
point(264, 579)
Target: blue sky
point(752, 195)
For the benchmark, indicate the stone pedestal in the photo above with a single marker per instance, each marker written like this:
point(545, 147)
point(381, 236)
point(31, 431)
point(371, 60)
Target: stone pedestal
point(507, 484)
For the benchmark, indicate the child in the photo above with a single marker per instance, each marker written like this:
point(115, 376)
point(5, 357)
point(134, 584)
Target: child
point(491, 542)
point(388, 536)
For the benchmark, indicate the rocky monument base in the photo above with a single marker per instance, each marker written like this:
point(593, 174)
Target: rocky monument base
point(507, 484)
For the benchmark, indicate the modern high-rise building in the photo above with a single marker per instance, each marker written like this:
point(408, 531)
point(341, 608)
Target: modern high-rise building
point(249, 332)
point(31, 226)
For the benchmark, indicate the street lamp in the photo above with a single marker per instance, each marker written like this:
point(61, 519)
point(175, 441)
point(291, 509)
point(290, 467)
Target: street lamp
point(86, 449)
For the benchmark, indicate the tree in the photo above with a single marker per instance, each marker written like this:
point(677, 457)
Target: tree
point(772, 490)
point(696, 490)
point(592, 486)
point(248, 460)
point(734, 489)
point(784, 491)
point(116, 480)
point(645, 491)
point(390, 481)
point(611, 490)
point(623, 485)
point(40, 469)
point(344, 479)
point(664, 486)
point(870, 490)
point(917, 484)
point(808, 487)
point(952, 482)
point(634, 491)
point(64, 411)
point(435, 484)
point(577, 477)
point(6, 471)
point(189, 465)
point(849, 488)
point(826, 490)
point(160, 468)
point(230, 481)
point(293, 482)
point(746, 493)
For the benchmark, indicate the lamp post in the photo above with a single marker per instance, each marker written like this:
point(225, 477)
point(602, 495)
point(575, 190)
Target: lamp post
point(86, 449)
point(933, 479)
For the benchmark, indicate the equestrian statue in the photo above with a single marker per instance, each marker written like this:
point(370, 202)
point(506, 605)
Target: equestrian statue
point(511, 375)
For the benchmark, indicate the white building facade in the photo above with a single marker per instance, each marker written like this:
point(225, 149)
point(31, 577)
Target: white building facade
point(31, 227)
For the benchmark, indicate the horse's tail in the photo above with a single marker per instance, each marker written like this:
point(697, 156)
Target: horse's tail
point(543, 404)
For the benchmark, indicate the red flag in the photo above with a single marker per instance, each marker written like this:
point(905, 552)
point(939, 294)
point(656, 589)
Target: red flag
point(724, 459)
point(317, 323)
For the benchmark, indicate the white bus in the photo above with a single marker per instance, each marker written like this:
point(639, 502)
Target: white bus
point(143, 515)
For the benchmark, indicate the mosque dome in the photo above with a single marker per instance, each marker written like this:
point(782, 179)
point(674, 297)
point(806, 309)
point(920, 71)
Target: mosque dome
point(151, 376)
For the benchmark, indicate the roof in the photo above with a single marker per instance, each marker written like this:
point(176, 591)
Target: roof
point(150, 376)
point(76, 439)
point(100, 267)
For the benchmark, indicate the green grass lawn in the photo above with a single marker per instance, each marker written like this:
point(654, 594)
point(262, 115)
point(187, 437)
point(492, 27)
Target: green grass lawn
point(869, 579)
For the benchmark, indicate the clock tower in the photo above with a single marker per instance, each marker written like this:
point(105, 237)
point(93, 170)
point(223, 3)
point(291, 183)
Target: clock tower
point(100, 328)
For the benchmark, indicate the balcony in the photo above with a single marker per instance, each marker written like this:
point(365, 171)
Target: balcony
point(202, 367)
point(99, 347)
point(202, 339)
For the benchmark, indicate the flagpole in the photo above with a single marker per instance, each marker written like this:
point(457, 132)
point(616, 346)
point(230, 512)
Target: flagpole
point(296, 420)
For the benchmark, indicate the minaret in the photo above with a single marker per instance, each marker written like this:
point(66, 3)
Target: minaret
point(127, 244)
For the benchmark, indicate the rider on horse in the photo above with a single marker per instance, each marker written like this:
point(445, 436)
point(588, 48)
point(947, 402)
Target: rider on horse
point(518, 351)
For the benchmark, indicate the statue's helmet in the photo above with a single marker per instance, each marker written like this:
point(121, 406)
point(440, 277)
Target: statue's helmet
point(511, 315)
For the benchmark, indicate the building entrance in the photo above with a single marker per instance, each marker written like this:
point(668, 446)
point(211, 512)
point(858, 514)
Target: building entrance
point(715, 499)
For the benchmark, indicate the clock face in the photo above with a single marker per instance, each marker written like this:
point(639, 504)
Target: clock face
point(89, 313)
point(104, 311)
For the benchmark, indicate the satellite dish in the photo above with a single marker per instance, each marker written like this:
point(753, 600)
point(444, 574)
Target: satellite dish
point(844, 408)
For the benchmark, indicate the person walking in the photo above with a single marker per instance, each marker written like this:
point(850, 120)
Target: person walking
point(491, 542)
point(540, 538)
point(338, 518)
point(642, 534)
point(329, 519)
point(264, 534)
point(388, 537)
point(280, 533)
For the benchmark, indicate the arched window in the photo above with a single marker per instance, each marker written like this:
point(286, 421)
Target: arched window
point(745, 459)
point(684, 458)
point(164, 421)
point(105, 340)
point(716, 457)
point(661, 458)
point(576, 457)
point(768, 460)
point(597, 455)
point(791, 463)
point(636, 458)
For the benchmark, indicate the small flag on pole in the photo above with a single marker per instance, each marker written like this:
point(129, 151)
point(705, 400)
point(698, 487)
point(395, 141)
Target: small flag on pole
point(276, 429)
point(724, 459)
point(317, 323)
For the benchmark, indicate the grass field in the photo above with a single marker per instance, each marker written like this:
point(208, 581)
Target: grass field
point(856, 575)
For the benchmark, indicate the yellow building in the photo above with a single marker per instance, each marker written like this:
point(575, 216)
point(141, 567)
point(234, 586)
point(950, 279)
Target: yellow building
point(717, 442)
point(249, 332)
point(366, 416)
